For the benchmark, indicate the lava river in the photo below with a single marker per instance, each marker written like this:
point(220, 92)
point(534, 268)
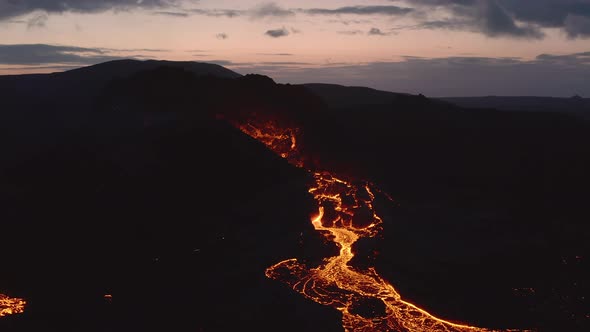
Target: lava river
point(11, 306)
point(345, 214)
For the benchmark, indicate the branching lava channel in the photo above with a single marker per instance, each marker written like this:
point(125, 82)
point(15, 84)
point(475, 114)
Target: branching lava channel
point(345, 214)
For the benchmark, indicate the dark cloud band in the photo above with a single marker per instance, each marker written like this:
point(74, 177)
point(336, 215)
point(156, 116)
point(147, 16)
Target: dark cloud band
point(42, 54)
point(360, 10)
point(12, 8)
point(277, 33)
point(516, 18)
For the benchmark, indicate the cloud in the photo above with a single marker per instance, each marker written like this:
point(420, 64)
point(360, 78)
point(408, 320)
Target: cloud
point(262, 11)
point(512, 18)
point(43, 54)
point(149, 50)
point(257, 66)
point(577, 26)
point(360, 10)
point(442, 2)
point(493, 18)
point(349, 22)
point(221, 36)
point(285, 63)
point(221, 62)
point(173, 14)
point(37, 69)
point(495, 21)
point(351, 32)
point(277, 33)
point(270, 9)
point(37, 21)
point(371, 32)
point(276, 54)
point(569, 59)
point(483, 16)
point(547, 13)
point(553, 75)
point(376, 32)
point(446, 24)
point(12, 8)
point(229, 13)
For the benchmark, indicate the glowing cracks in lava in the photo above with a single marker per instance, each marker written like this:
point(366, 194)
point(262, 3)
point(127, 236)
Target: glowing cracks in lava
point(339, 285)
point(346, 213)
point(11, 306)
point(281, 141)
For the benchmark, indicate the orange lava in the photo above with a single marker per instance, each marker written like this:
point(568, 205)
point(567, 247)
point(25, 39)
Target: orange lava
point(345, 214)
point(11, 306)
point(282, 141)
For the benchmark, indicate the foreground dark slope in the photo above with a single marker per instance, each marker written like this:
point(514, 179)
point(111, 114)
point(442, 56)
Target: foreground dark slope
point(489, 228)
point(174, 214)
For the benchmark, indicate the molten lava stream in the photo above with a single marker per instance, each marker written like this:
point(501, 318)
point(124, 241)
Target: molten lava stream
point(335, 283)
point(11, 306)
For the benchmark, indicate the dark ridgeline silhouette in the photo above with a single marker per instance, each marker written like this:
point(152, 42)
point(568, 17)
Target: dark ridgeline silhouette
point(574, 105)
point(125, 178)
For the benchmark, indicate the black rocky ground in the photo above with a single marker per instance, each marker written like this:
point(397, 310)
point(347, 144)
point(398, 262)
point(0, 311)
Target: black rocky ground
point(136, 186)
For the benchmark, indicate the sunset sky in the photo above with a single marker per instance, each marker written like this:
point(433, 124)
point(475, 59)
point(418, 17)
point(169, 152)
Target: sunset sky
point(435, 47)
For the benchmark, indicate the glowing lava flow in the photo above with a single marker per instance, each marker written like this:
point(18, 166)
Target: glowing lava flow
point(345, 214)
point(11, 306)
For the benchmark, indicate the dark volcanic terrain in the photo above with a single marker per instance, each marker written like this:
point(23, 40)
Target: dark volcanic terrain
point(128, 179)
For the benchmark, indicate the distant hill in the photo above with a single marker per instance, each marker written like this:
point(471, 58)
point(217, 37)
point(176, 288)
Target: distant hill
point(35, 103)
point(576, 104)
point(339, 96)
point(345, 96)
point(84, 82)
point(124, 68)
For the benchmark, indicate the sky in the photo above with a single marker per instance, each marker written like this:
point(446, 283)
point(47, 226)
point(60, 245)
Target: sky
point(434, 47)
